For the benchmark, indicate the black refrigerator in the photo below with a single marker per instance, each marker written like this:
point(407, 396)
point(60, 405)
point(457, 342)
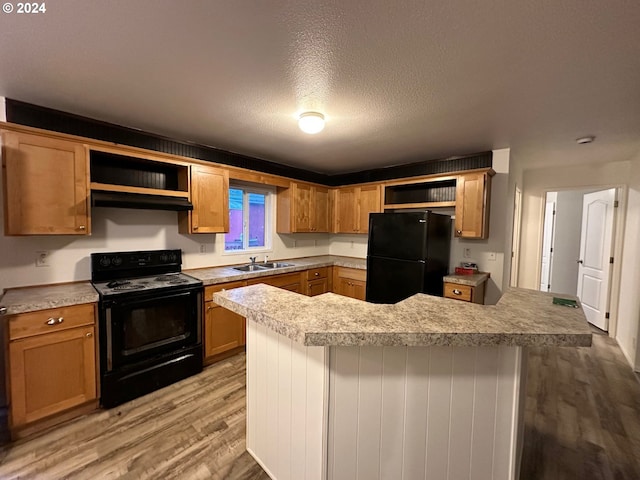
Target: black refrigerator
point(408, 253)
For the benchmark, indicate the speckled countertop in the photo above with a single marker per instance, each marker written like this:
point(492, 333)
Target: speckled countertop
point(213, 275)
point(31, 299)
point(521, 317)
point(470, 280)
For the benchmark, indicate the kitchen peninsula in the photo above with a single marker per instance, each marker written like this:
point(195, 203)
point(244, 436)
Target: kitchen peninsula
point(429, 387)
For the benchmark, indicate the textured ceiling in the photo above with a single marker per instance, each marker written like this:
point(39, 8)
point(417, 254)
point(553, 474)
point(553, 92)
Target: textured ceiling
point(397, 81)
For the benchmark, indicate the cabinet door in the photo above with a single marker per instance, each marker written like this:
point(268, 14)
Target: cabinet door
point(358, 289)
point(210, 196)
point(350, 282)
point(321, 209)
point(317, 287)
point(224, 330)
point(368, 202)
point(46, 186)
point(472, 197)
point(301, 207)
point(346, 216)
point(51, 373)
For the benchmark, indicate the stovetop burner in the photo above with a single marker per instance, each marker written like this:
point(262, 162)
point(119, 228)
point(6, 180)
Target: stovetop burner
point(121, 272)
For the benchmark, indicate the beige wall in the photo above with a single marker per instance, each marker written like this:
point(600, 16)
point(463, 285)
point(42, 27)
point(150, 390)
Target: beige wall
point(629, 302)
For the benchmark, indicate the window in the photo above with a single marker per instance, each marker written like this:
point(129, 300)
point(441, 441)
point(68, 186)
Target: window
point(249, 219)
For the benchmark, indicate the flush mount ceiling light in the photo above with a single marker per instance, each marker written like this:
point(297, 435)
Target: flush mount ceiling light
point(311, 122)
point(585, 140)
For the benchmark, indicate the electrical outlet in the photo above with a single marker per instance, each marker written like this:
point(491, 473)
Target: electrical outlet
point(203, 248)
point(42, 258)
point(491, 256)
point(295, 243)
point(467, 253)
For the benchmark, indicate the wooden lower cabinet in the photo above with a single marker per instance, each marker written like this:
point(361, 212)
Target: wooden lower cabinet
point(465, 293)
point(350, 282)
point(318, 281)
point(287, 281)
point(224, 330)
point(52, 363)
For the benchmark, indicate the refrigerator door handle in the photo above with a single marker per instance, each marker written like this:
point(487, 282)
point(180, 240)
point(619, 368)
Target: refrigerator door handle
point(422, 261)
point(422, 220)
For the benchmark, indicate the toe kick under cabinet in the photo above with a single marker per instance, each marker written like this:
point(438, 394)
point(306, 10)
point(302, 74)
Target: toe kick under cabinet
point(51, 366)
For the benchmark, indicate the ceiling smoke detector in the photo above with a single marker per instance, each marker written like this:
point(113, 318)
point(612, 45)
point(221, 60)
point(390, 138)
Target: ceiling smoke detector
point(585, 140)
point(311, 122)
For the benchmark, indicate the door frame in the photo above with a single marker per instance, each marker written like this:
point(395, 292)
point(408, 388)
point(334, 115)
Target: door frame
point(620, 216)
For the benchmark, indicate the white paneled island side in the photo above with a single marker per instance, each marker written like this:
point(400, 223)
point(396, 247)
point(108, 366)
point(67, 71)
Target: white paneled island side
point(428, 388)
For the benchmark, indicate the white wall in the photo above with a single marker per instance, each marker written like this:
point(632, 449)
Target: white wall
point(125, 229)
point(629, 302)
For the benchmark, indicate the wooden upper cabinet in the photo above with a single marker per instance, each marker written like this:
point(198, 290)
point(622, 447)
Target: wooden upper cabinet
point(46, 186)
point(210, 198)
point(352, 206)
point(303, 208)
point(472, 205)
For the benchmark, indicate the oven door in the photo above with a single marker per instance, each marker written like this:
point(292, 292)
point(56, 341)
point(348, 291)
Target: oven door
point(143, 327)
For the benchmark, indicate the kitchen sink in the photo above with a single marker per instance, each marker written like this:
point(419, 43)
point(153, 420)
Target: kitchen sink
point(262, 266)
point(276, 265)
point(250, 268)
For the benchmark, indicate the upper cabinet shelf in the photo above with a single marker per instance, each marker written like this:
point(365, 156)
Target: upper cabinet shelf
point(120, 173)
point(468, 192)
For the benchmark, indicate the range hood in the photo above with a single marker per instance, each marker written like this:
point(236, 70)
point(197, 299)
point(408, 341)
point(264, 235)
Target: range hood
point(137, 200)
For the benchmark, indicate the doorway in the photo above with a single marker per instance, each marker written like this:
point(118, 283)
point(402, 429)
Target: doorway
point(577, 248)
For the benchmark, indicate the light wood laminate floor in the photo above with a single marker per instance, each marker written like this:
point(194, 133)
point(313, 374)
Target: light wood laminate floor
point(582, 422)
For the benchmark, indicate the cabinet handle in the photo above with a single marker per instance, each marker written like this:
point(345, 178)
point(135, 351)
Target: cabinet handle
point(459, 232)
point(3, 310)
point(82, 227)
point(53, 321)
point(89, 335)
point(457, 292)
point(317, 274)
point(195, 227)
point(209, 307)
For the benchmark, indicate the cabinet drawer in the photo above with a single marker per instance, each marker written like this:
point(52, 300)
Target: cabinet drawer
point(45, 321)
point(211, 289)
point(316, 273)
point(459, 292)
point(286, 280)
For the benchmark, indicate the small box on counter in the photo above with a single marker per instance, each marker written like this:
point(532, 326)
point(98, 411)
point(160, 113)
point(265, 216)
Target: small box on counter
point(467, 268)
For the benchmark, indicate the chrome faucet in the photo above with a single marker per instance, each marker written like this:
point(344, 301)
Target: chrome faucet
point(253, 260)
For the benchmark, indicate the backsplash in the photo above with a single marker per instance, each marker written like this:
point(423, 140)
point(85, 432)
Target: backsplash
point(122, 230)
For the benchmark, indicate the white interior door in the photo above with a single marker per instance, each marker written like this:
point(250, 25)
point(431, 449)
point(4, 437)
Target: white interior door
point(547, 245)
point(595, 252)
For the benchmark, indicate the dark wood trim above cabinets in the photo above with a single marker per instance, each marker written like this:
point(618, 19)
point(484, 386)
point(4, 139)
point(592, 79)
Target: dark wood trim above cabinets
point(67, 123)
